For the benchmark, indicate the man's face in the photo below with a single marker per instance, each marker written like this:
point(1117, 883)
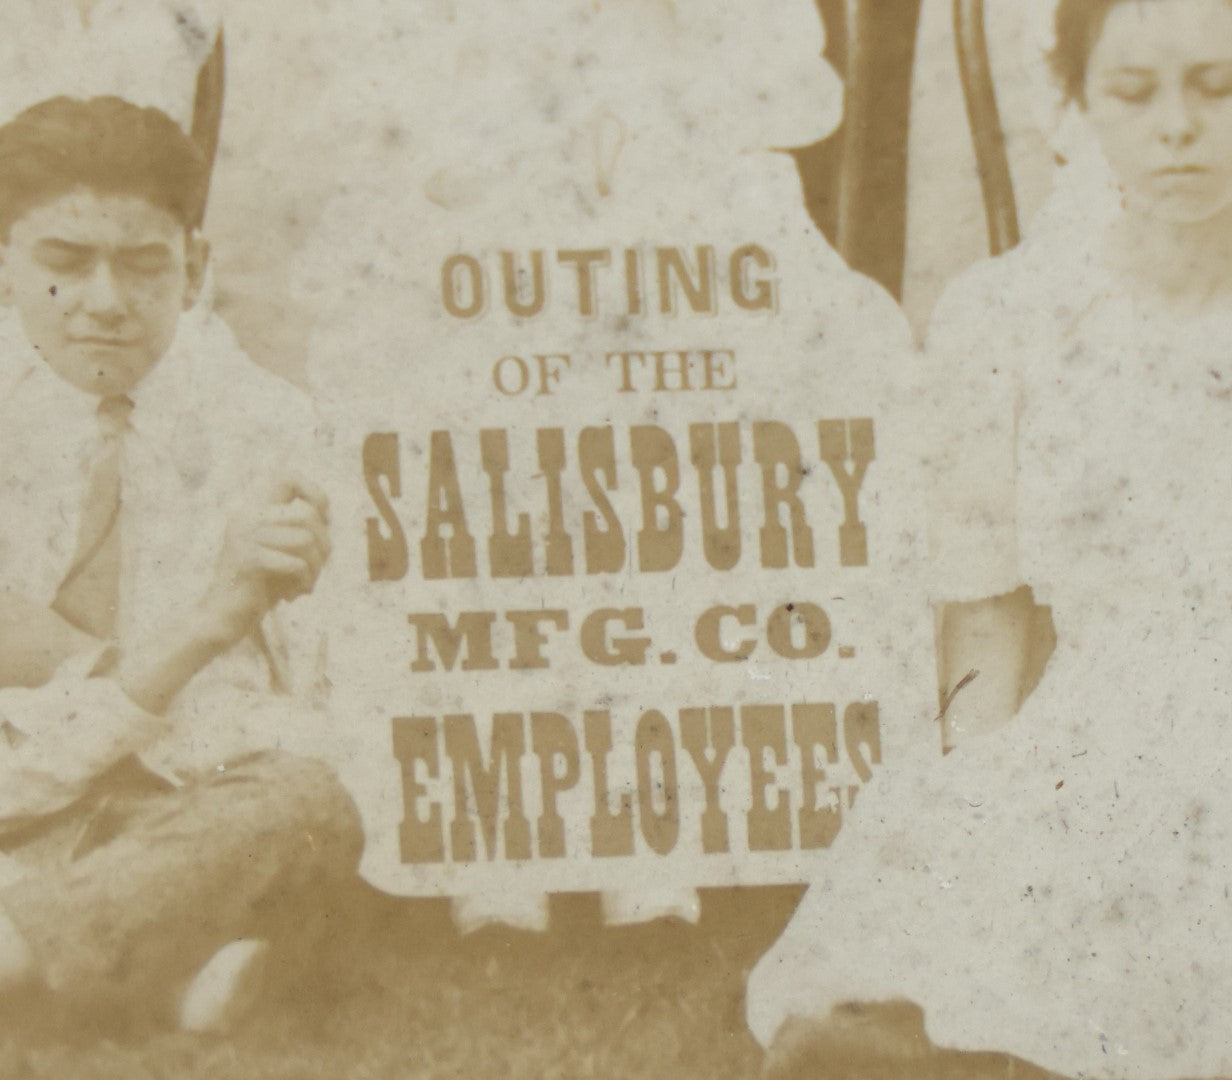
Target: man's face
point(1159, 96)
point(99, 282)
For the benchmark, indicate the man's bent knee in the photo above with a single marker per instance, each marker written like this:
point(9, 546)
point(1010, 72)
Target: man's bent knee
point(305, 799)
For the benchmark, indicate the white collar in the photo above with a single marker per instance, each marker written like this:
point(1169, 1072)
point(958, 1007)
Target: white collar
point(44, 398)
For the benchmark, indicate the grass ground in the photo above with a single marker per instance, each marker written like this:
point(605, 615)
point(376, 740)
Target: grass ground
point(396, 993)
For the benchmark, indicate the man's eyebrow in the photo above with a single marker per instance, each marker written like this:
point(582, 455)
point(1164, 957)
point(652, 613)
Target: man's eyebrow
point(59, 245)
point(155, 247)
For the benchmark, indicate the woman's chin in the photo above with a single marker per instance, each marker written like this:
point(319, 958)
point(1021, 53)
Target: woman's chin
point(1184, 212)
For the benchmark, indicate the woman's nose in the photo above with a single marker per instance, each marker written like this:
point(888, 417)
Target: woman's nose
point(1178, 118)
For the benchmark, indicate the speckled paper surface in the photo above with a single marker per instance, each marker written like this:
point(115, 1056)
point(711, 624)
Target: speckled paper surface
point(692, 477)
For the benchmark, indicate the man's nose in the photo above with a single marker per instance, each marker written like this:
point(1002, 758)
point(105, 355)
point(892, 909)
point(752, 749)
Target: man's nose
point(102, 297)
point(1178, 118)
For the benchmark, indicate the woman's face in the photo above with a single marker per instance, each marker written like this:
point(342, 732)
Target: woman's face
point(1159, 97)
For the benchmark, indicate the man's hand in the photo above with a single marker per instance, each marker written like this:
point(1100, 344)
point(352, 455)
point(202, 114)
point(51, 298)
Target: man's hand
point(273, 549)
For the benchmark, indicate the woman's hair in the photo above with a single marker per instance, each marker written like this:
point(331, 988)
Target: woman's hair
point(1078, 26)
point(105, 144)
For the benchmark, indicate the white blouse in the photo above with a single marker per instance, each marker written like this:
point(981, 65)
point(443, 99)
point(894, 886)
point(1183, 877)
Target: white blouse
point(1059, 889)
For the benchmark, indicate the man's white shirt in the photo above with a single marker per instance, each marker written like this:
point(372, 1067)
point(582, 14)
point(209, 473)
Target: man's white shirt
point(207, 426)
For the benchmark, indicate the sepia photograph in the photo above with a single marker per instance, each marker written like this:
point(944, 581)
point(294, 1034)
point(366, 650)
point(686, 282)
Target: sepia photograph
point(615, 538)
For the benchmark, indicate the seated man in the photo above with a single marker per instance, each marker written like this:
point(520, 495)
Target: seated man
point(153, 539)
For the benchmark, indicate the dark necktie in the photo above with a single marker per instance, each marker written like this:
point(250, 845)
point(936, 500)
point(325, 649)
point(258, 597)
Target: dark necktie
point(89, 594)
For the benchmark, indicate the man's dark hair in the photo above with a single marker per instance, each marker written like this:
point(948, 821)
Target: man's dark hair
point(105, 144)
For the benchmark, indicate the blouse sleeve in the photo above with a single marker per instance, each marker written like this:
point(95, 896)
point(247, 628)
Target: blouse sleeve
point(971, 404)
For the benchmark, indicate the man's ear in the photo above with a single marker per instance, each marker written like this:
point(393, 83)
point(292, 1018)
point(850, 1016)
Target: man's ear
point(196, 260)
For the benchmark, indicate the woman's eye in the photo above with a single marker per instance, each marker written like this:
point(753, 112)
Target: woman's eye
point(1214, 82)
point(1132, 89)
